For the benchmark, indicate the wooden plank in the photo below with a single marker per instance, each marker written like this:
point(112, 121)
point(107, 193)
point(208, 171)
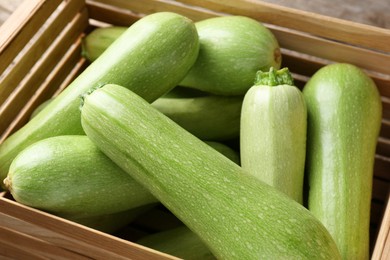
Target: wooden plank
point(32, 53)
point(41, 70)
point(383, 147)
point(21, 26)
point(12, 252)
point(381, 167)
point(70, 235)
point(110, 14)
point(367, 36)
point(66, 70)
point(151, 6)
point(39, 248)
point(385, 128)
point(382, 245)
point(332, 50)
point(304, 64)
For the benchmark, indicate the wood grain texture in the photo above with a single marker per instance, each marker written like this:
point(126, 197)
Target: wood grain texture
point(370, 12)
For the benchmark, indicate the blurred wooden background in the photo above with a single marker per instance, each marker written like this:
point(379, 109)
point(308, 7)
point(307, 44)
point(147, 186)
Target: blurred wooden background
point(371, 12)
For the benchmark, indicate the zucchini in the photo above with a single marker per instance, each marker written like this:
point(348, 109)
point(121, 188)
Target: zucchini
point(211, 117)
point(40, 107)
point(236, 215)
point(150, 58)
point(273, 132)
point(344, 118)
point(232, 50)
point(97, 41)
point(180, 242)
point(70, 177)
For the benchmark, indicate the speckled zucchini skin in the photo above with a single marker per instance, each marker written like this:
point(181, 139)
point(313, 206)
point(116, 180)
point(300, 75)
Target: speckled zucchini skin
point(232, 50)
point(235, 214)
point(69, 176)
point(211, 117)
point(150, 58)
point(273, 135)
point(344, 118)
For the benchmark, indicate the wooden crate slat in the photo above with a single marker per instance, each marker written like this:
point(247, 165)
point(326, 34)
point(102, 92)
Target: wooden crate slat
point(57, 80)
point(386, 107)
point(383, 147)
point(382, 244)
point(31, 53)
point(12, 252)
point(21, 26)
point(367, 36)
point(67, 234)
point(332, 50)
point(42, 68)
point(111, 14)
point(307, 65)
point(382, 167)
point(385, 129)
point(35, 246)
point(152, 6)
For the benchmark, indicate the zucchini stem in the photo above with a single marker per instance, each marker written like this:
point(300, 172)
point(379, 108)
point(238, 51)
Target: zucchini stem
point(274, 77)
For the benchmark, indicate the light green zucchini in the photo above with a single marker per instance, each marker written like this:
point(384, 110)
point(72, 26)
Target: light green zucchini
point(98, 40)
point(344, 118)
point(180, 242)
point(40, 108)
point(232, 50)
point(211, 117)
point(273, 132)
point(235, 214)
point(69, 176)
point(150, 58)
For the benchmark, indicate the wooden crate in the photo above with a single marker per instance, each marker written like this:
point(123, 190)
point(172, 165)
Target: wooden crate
point(40, 54)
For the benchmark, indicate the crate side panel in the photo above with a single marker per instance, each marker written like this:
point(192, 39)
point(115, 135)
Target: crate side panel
point(382, 244)
point(151, 6)
point(39, 44)
point(66, 70)
point(35, 246)
point(41, 70)
point(369, 37)
point(111, 14)
point(21, 26)
point(332, 50)
point(70, 235)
